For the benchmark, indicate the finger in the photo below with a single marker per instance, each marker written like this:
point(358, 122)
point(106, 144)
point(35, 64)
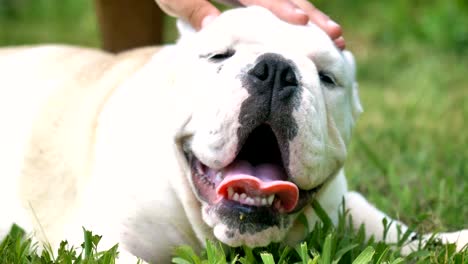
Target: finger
point(320, 19)
point(340, 43)
point(229, 2)
point(193, 11)
point(284, 9)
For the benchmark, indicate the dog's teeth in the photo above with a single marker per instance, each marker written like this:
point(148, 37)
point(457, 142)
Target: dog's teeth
point(230, 192)
point(270, 199)
point(254, 200)
point(243, 196)
point(258, 201)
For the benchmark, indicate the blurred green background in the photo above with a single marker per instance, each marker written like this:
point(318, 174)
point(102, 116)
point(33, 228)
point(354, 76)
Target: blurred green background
point(409, 154)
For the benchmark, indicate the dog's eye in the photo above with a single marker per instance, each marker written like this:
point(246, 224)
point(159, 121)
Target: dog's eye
point(327, 78)
point(218, 57)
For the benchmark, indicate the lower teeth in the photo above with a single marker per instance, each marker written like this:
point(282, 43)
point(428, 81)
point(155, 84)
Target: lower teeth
point(243, 198)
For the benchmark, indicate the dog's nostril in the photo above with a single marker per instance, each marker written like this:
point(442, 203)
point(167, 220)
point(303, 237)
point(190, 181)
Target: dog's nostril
point(260, 71)
point(289, 77)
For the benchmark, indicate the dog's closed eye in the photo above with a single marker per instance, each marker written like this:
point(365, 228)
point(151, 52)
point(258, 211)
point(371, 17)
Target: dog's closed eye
point(327, 78)
point(221, 56)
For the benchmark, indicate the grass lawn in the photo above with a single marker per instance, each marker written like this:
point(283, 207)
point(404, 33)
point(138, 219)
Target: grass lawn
point(409, 154)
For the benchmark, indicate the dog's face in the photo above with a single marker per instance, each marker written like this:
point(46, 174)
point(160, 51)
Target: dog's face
point(270, 108)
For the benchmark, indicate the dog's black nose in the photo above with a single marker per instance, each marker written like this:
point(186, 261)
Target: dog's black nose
point(273, 72)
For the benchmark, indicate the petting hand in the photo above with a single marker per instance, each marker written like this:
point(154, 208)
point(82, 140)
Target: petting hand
point(200, 12)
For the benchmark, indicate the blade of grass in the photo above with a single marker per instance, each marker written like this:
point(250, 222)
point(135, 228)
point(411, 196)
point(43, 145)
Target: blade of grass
point(327, 222)
point(267, 258)
point(365, 256)
point(327, 249)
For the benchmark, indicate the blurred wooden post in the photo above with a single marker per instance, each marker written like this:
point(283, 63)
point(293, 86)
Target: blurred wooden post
point(127, 24)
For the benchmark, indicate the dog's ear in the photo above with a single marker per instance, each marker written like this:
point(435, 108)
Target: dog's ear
point(184, 28)
point(356, 103)
point(349, 58)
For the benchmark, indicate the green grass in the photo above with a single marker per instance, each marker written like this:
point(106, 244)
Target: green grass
point(325, 244)
point(409, 154)
point(46, 21)
point(410, 148)
point(17, 248)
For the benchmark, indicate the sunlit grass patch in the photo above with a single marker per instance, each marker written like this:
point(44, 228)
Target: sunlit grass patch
point(325, 244)
point(48, 21)
point(17, 248)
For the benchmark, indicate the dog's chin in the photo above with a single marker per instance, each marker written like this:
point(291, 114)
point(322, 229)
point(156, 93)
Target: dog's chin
point(236, 229)
point(253, 200)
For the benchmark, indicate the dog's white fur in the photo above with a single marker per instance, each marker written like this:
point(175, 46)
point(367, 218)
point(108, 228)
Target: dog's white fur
point(91, 139)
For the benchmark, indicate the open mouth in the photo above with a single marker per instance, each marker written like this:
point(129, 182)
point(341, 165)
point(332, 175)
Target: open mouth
point(256, 179)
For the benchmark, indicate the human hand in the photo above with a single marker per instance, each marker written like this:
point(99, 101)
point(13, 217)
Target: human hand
point(201, 12)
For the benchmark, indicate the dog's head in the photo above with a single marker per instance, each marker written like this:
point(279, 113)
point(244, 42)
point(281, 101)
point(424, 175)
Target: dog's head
point(270, 109)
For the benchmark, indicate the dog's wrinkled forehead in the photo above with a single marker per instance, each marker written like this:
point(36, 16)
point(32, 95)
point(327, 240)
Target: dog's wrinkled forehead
point(255, 26)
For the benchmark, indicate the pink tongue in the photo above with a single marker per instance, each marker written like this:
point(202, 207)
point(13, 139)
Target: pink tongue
point(262, 180)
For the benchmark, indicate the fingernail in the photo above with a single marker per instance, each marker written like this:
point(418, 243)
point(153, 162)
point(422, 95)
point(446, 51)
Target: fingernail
point(207, 20)
point(332, 24)
point(300, 11)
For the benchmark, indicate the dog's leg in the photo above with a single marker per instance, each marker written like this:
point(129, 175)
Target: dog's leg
point(363, 213)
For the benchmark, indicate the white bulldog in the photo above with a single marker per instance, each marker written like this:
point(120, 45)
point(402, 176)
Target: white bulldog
point(229, 134)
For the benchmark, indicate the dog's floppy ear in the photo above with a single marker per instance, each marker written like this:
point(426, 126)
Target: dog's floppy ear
point(356, 103)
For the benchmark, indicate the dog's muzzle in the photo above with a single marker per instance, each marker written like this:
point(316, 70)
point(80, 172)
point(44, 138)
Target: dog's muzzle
point(274, 77)
point(259, 177)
